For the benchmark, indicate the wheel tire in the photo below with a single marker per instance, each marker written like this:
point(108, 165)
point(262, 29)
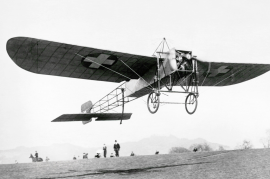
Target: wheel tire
point(153, 96)
point(191, 99)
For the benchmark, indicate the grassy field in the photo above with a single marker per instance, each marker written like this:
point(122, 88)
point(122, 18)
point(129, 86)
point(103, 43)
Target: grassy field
point(242, 164)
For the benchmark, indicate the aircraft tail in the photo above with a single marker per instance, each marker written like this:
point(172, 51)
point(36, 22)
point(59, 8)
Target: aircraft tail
point(86, 118)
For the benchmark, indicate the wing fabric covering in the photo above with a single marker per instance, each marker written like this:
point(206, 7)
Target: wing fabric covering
point(225, 74)
point(59, 59)
point(87, 117)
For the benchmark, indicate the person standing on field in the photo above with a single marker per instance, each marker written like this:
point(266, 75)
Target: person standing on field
point(104, 151)
point(116, 148)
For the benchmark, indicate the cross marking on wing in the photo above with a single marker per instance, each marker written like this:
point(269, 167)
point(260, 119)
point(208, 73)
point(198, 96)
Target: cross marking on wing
point(102, 59)
point(215, 72)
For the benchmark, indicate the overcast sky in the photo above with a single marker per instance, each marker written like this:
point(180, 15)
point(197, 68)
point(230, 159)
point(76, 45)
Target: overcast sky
point(221, 31)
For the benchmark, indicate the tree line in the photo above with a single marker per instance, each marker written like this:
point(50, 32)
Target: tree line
point(204, 147)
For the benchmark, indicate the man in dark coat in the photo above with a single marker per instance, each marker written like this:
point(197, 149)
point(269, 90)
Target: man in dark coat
point(116, 148)
point(104, 151)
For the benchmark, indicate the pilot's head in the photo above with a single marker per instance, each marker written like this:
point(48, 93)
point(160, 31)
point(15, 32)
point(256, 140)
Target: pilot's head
point(188, 56)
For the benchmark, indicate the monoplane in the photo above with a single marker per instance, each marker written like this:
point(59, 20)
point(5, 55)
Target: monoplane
point(138, 75)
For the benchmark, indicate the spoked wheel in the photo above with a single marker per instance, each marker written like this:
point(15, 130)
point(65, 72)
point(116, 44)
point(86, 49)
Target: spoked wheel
point(153, 102)
point(191, 103)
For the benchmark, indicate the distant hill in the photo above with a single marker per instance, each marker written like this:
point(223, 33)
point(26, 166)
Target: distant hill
point(65, 151)
point(163, 144)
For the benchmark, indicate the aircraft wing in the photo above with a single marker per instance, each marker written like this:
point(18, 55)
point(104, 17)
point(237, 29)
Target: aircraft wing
point(224, 74)
point(59, 59)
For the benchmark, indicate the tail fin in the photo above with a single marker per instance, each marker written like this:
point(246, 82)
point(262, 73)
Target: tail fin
point(86, 107)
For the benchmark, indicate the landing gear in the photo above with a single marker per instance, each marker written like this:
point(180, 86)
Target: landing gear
point(153, 102)
point(191, 103)
point(185, 76)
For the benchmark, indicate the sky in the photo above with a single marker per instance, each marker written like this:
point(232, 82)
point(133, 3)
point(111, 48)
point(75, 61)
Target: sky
point(217, 31)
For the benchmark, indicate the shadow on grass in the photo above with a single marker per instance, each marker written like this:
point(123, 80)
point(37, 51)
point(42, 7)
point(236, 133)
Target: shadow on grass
point(128, 171)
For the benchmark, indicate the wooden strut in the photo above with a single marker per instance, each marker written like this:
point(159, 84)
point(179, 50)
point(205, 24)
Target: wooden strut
point(123, 104)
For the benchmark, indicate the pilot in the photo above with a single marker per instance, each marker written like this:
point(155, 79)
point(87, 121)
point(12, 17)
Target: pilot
point(184, 65)
point(187, 57)
point(178, 59)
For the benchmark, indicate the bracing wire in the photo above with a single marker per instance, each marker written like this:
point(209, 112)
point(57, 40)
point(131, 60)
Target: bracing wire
point(136, 73)
point(167, 44)
point(139, 97)
point(228, 77)
point(156, 49)
point(207, 73)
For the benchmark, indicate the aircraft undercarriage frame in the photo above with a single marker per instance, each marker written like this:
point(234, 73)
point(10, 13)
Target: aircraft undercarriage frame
point(186, 78)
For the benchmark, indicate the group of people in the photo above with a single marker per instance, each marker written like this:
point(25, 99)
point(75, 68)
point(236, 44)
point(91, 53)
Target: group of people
point(116, 148)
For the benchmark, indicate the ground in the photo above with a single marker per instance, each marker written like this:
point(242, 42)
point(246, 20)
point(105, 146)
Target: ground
point(248, 164)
